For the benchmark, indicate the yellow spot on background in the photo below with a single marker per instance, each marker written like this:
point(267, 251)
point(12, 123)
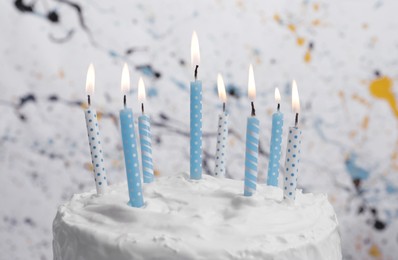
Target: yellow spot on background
point(382, 88)
point(316, 7)
point(292, 27)
point(374, 251)
point(300, 41)
point(307, 56)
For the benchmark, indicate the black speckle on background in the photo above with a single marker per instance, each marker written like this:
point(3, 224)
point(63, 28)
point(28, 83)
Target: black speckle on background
point(164, 116)
point(53, 17)
point(149, 71)
point(28, 221)
point(311, 45)
point(53, 98)
point(27, 98)
point(379, 225)
point(21, 6)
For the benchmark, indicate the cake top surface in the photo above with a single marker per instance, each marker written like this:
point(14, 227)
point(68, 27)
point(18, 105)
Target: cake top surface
point(198, 218)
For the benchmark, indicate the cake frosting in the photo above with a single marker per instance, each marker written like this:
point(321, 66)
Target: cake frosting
point(205, 219)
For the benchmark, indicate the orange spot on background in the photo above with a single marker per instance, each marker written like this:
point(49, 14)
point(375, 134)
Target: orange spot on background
point(277, 18)
point(365, 122)
point(316, 22)
point(316, 7)
point(352, 134)
point(382, 88)
point(361, 100)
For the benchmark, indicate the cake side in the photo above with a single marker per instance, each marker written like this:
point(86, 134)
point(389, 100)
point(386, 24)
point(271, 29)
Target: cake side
point(206, 219)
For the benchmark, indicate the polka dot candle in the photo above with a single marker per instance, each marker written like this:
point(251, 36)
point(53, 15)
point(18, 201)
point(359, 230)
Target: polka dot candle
point(144, 128)
point(292, 162)
point(131, 158)
point(97, 154)
point(196, 130)
point(221, 152)
point(275, 149)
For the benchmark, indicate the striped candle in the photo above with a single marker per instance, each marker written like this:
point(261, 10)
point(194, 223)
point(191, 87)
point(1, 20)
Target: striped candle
point(251, 161)
point(144, 128)
point(252, 141)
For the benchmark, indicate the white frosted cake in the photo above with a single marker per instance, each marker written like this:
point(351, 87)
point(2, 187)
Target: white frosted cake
point(206, 219)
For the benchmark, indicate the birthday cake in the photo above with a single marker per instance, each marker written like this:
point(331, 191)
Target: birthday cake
point(188, 219)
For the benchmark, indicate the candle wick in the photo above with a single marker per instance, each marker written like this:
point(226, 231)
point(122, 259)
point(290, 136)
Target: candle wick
point(296, 120)
point(124, 100)
point(253, 110)
point(196, 72)
point(88, 100)
point(223, 106)
point(142, 108)
point(279, 107)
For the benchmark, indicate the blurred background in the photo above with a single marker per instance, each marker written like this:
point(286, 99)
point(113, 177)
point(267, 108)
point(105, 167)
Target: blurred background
point(343, 55)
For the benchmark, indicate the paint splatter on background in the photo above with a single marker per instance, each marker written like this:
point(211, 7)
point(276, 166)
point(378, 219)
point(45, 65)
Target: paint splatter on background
point(345, 62)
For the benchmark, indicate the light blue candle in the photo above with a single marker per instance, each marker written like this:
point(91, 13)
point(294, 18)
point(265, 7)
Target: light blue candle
point(195, 149)
point(252, 140)
point(144, 128)
point(196, 131)
point(275, 145)
point(130, 146)
point(251, 161)
point(131, 158)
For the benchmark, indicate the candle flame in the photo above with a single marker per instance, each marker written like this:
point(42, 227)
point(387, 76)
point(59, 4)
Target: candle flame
point(277, 95)
point(295, 98)
point(221, 88)
point(141, 90)
point(90, 80)
point(251, 84)
point(195, 53)
point(125, 82)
